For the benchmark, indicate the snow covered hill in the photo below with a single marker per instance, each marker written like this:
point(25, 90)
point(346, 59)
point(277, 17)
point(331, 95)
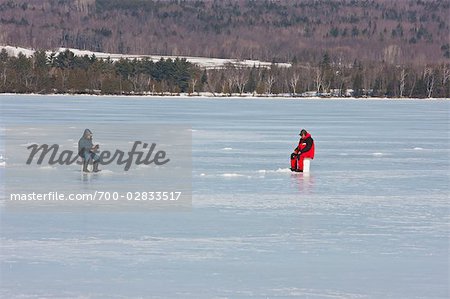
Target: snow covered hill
point(204, 62)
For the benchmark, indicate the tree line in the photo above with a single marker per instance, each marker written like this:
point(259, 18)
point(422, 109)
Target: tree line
point(65, 72)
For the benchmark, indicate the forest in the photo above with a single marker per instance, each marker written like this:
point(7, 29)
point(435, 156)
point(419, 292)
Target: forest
point(395, 32)
point(66, 73)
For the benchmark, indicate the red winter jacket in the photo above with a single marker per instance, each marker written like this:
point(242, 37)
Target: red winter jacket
point(306, 147)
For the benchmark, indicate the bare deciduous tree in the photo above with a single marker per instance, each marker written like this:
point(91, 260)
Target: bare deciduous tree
point(194, 81)
point(230, 84)
point(270, 80)
point(295, 77)
point(445, 74)
point(403, 76)
point(413, 86)
point(318, 80)
point(240, 79)
point(429, 80)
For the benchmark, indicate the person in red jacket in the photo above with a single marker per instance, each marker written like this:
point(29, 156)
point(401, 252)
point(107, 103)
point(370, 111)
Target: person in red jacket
point(305, 149)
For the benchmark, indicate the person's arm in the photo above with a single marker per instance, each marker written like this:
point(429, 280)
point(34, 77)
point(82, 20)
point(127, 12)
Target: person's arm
point(90, 147)
point(297, 149)
point(308, 146)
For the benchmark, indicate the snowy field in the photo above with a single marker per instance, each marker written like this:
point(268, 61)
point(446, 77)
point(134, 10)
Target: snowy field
point(205, 62)
point(370, 221)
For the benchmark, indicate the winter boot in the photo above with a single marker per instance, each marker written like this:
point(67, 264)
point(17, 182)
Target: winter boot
point(85, 165)
point(96, 167)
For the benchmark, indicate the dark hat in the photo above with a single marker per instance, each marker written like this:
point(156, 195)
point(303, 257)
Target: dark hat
point(303, 131)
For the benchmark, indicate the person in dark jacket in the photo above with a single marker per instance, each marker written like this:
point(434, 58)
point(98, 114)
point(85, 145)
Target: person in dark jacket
point(305, 149)
point(87, 150)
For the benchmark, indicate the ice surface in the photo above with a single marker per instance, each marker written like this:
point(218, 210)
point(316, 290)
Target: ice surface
point(370, 221)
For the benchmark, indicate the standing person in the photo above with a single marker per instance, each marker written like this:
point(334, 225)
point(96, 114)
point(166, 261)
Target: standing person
point(305, 149)
point(87, 151)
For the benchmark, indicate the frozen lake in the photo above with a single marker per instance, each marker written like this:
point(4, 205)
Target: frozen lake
point(370, 221)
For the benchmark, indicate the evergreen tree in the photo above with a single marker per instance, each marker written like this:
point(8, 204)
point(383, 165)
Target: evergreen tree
point(251, 82)
point(3, 69)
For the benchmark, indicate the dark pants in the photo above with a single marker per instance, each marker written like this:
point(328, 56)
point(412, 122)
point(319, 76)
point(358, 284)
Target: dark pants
point(88, 156)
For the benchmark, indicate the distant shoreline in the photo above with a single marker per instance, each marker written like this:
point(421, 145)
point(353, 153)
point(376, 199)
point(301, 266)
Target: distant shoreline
point(68, 72)
point(223, 97)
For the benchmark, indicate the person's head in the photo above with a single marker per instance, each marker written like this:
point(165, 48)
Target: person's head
point(87, 134)
point(303, 133)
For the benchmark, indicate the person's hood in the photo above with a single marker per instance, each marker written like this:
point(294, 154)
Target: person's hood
point(86, 133)
point(306, 136)
point(84, 143)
